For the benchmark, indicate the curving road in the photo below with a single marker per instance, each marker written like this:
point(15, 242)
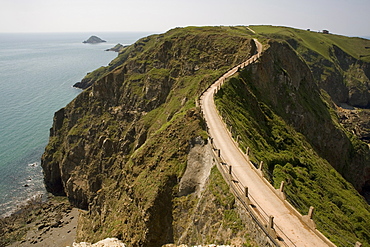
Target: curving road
point(287, 225)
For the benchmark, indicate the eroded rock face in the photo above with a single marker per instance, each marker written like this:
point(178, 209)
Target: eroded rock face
point(120, 148)
point(355, 120)
point(346, 80)
point(290, 91)
point(198, 168)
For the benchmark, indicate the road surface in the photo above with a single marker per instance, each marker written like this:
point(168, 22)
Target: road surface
point(295, 233)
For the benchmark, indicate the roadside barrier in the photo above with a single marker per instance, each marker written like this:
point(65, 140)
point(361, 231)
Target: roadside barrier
point(242, 193)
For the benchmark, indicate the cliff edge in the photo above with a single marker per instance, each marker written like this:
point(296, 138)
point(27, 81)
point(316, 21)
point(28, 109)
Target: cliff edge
point(121, 149)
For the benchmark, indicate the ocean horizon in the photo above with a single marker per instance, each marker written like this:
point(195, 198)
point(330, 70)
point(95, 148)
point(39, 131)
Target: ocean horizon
point(37, 72)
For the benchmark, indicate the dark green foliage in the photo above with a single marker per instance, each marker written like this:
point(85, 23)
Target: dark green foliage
point(340, 212)
point(124, 141)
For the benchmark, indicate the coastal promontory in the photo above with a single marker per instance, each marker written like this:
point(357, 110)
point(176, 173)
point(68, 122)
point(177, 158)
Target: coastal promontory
point(132, 150)
point(94, 40)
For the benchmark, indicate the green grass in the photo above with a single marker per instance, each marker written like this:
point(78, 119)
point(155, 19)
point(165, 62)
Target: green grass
point(318, 42)
point(341, 213)
point(179, 65)
point(155, 83)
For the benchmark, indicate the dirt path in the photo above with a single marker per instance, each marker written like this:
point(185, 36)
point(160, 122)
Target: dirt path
point(266, 201)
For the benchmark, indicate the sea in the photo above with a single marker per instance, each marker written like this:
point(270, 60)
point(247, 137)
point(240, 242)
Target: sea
point(37, 71)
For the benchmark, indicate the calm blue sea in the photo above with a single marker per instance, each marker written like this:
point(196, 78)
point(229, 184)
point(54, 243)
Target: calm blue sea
point(37, 72)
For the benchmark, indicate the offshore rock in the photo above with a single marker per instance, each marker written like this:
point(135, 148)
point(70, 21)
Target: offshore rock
point(117, 48)
point(94, 40)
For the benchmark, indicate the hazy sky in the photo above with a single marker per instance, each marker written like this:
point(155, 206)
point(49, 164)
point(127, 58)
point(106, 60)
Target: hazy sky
point(348, 17)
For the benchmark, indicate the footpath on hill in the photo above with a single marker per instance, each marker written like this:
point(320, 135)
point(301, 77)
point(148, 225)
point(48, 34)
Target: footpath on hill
point(287, 225)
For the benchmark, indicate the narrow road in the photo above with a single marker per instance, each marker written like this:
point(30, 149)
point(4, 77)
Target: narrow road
point(295, 233)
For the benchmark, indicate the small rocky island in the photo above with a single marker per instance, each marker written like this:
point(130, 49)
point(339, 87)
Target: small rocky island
point(94, 40)
point(117, 48)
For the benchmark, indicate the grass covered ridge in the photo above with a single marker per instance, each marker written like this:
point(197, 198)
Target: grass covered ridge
point(317, 41)
point(340, 212)
point(122, 144)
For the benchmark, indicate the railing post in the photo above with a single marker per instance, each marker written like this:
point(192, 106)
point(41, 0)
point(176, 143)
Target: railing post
point(310, 212)
point(259, 170)
point(219, 153)
point(282, 186)
point(230, 170)
point(246, 191)
point(247, 151)
point(246, 195)
point(270, 227)
point(271, 222)
point(237, 139)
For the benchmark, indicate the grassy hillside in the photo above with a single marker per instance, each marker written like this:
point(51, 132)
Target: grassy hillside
point(358, 48)
point(340, 212)
point(277, 110)
point(341, 65)
point(119, 150)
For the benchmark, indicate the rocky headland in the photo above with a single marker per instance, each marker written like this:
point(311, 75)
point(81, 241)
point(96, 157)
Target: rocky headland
point(132, 152)
point(117, 48)
point(121, 149)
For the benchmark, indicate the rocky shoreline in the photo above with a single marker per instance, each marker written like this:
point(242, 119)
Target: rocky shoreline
point(50, 223)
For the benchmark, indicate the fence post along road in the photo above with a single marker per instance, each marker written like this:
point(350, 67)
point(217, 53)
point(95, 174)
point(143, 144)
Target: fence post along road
point(284, 225)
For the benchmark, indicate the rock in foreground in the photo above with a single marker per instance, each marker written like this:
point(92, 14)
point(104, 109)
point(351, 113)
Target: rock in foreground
point(94, 40)
point(103, 243)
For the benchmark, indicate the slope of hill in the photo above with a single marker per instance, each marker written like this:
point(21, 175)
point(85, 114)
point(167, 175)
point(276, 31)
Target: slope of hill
point(121, 148)
point(277, 110)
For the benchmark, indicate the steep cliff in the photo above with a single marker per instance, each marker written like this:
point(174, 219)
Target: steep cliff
point(278, 110)
point(120, 149)
point(131, 149)
point(340, 66)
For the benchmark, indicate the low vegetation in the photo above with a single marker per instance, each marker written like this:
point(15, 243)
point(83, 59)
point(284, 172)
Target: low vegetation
point(120, 148)
point(340, 212)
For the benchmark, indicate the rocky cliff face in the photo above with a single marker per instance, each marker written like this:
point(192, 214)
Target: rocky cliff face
point(120, 148)
point(131, 149)
point(296, 97)
point(279, 112)
point(340, 66)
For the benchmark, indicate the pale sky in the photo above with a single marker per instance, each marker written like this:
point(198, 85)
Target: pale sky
point(347, 17)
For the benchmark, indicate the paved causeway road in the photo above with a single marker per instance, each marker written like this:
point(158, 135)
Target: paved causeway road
point(295, 233)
